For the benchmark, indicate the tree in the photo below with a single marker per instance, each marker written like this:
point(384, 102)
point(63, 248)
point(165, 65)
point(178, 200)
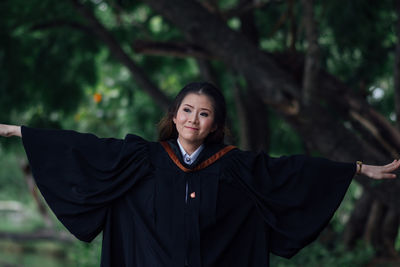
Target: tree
point(290, 61)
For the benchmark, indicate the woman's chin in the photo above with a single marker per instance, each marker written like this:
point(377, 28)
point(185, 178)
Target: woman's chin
point(191, 139)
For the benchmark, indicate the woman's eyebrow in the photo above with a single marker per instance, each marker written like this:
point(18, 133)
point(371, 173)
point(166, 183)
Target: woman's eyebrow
point(200, 108)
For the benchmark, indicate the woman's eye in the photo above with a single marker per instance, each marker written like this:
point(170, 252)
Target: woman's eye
point(204, 114)
point(186, 110)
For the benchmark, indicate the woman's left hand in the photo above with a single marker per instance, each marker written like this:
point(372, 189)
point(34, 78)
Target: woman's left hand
point(380, 172)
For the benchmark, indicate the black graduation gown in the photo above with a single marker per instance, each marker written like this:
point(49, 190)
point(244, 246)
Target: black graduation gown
point(152, 213)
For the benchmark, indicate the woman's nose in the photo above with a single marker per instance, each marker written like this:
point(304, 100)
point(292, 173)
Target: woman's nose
point(193, 117)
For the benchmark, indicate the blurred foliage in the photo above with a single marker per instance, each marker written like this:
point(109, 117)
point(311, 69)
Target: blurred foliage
point(35, 254)
point(317, 255)
point(52, 63)
point(54, 72)
point(86, 255)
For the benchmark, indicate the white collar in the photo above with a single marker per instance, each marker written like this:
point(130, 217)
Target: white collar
point(189, 159)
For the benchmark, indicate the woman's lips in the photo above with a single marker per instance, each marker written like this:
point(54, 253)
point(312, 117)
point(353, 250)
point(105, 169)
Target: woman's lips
point(191, 128)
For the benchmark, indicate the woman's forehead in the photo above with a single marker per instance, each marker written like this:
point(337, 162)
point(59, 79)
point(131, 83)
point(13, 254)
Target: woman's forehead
point(198, 101)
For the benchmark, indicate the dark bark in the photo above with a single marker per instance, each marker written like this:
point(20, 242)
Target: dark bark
point(115, 48)
point(355, 227)
point(41, 206)
point(374, 225)
point(61, 23)
point(293, 26)
point(241, 117)
point(211, 5)
point(397, 66)
point(253, 121)
point(248, 25)
point(243, 8)
point(312, 57)
point(381, 229)
point(207, 71)
point(390, 227)
point(374, 222)
point(171, 49)
point(254, 130)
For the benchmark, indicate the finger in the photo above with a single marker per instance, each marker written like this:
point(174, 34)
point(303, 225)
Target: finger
point(392, 166)
point(396, 164)
point(393, 163)
point(388, 176)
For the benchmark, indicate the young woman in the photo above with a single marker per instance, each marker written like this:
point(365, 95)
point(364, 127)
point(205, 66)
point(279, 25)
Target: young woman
point(189, 199)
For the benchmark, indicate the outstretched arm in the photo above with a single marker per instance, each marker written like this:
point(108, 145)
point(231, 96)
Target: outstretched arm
point(10, 130)
point(379, 172)
point(371, 171)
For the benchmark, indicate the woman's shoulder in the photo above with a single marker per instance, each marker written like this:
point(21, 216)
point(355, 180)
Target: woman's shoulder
point(240, 154)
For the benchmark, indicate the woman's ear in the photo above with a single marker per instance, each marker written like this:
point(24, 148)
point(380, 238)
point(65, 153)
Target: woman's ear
point(174, 119)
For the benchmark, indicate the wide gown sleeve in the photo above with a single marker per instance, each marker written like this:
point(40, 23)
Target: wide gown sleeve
point(80, 175)
point(297, 195)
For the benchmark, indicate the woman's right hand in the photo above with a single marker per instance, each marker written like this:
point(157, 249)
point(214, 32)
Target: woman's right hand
point(10, 130)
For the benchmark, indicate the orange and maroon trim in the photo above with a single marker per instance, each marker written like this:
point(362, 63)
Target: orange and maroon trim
point(202, 165)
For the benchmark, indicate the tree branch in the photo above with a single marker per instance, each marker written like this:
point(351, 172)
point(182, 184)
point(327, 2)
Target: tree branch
point(211, 6)
point(62, 23)
point(244, 8)
point(248, 26)
point(115, 48)
point(171, 49)
point(340, 97)
point(350, 104)
point(254, 134)
point(38, 235)
point(293, 26)
point(396, 69)
point(312, 60)
point(234, 49)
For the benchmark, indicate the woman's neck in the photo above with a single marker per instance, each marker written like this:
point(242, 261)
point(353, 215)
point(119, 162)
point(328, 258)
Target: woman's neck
point(189, 147)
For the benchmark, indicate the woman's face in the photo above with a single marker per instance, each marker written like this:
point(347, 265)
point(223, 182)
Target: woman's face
point(194, 119)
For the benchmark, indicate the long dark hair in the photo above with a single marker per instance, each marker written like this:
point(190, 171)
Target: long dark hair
point(166, 127)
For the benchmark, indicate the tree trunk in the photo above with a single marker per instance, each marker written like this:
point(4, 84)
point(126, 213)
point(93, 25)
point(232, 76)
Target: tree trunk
point(374, 222)
point(312, 60)
point(253, 121)
point(207, 71)
point(42, 208)
point(293, 26)
point(356, 225)
point(254, 132)
point(389, 232)
point(381, 229)
point(396, 72)
point(278, 84)
point(373, 234)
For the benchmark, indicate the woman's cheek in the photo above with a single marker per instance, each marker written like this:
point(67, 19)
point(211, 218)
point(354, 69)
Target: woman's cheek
point(207, 123)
